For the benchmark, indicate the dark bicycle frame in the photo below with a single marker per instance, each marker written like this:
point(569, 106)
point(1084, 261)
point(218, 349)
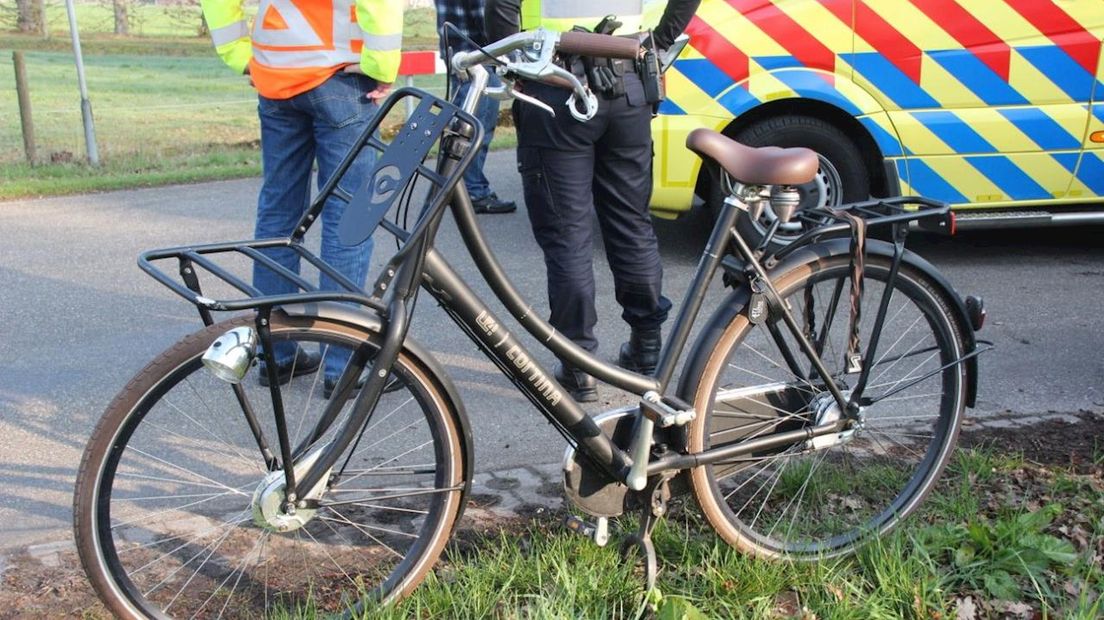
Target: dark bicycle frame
point(418, 265)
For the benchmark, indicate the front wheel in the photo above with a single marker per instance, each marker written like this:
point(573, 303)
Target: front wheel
point(820, 498)
point(177, 515)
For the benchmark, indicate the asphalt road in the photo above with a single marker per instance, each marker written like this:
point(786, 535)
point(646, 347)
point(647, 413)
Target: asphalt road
point(79, 319)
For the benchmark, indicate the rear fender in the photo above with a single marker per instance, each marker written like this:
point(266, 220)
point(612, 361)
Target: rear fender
point(359, 317)
point(738, 300)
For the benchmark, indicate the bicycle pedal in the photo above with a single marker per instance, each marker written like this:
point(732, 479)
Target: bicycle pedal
point(596, 532)
point(666, 411)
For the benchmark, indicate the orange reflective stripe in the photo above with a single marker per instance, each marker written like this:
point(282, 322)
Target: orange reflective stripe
point(273, 20)
point(283, 83)
point(297, 44)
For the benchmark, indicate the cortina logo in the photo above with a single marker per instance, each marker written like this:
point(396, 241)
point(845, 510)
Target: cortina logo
point(385, 184)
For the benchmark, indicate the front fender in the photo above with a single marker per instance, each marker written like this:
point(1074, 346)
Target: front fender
point(359, 317)
point(738, 299)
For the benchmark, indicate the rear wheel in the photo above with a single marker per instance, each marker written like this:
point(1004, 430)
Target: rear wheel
point(823, 497)
point(177, 515)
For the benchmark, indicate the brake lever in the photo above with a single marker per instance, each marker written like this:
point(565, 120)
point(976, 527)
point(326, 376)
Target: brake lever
point(591, 102)
point(509, 90)
point(533, 101)
point(578, 93)
point(537, 64)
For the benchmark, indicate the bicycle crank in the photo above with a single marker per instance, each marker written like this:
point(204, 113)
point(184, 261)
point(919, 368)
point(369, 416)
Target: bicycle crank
point(272, 511)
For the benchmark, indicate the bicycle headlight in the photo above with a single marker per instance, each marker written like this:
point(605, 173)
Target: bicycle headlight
point(230, 356)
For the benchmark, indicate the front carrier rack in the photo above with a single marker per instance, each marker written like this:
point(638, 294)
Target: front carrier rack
point(400, 167)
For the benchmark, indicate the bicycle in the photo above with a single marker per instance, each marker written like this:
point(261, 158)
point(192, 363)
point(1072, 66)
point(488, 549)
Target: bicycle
point(830, 428)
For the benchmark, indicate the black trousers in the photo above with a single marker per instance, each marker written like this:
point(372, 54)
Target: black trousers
point(571, 170)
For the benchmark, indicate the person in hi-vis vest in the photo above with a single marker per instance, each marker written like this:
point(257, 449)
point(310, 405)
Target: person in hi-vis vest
point(318, 67)
point(572, 170)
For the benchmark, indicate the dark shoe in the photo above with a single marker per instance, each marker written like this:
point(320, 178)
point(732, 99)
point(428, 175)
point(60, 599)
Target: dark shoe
point(641, 353)
point(329, 385)
point(492, 204)
point(303, 363)
point(582, 387)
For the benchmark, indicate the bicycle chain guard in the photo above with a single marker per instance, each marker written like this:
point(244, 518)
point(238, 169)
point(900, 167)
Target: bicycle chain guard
point(585, 485)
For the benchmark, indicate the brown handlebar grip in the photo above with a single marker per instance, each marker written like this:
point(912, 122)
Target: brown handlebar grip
point(600, 45)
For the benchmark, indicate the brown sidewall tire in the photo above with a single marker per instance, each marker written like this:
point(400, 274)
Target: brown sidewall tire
point(190, 347)
point(700, 481)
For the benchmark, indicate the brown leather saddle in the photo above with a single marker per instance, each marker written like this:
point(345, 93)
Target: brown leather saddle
point(768, 165)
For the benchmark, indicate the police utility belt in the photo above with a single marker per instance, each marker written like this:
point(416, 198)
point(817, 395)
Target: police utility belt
point(606, 76)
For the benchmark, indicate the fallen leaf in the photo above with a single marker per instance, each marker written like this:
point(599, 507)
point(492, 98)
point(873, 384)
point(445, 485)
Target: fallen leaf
point(1019, 610)
point(965, 609)
point(787, 604)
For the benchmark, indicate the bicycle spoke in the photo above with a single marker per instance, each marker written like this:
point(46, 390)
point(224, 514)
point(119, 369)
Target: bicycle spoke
point(308, 400)
point(799, 496)
point(345, 520)
point(205, 429)
point(229, 525)
point(214, 591)
point(806, 502)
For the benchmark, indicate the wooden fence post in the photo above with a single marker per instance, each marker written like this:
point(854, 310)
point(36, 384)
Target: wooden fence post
point(24, 96)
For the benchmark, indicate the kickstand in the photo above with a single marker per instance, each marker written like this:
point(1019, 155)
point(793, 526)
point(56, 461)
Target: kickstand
point(656, 506)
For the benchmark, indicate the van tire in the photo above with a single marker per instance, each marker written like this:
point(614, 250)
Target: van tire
point(843, 176)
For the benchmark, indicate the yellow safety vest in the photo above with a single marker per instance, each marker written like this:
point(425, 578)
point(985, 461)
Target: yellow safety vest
point(296, 45)
point(563, 15)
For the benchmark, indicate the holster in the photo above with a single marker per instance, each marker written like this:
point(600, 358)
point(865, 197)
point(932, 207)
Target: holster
point(606, 76)
point(647, 67)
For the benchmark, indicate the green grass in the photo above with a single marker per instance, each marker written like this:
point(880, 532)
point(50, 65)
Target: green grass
point(129, 171)
point(166, 109)
point(1001, 554)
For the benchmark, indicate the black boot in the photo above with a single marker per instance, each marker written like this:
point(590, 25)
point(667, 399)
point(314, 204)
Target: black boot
point(582, 387)
point(641, 353)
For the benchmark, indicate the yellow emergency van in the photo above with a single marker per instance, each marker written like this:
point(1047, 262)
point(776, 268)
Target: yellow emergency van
point(995, 106)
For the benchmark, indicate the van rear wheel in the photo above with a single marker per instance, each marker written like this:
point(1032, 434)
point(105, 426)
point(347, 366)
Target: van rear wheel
point(842, 177)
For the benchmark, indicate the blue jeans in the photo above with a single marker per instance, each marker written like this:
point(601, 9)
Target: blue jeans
point(322, 123)
point(474, 179)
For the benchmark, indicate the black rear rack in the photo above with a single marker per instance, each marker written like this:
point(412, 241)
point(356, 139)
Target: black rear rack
point(401, 165)
point(929, 215)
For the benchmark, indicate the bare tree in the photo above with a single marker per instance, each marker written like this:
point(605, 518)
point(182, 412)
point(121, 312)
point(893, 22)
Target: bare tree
point(122, 21)
point(29, 16)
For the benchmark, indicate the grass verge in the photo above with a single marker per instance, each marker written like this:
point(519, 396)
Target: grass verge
point(1014, 530)
point(129, 171)
point(1002, 537)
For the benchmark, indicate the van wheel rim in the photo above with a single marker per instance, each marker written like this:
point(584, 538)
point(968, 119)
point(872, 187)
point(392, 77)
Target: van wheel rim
point(825, 190)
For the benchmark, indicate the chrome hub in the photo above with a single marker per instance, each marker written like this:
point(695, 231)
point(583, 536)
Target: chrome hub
point(270, 499)
point(827, 411)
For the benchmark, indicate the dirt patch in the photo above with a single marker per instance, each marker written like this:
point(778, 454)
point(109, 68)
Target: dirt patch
point(34, 590)
point(1078, 446)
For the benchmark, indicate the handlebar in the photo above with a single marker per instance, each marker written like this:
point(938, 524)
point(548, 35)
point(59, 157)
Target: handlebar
point(600, 45)
point(535, 60)
point(576, 43)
